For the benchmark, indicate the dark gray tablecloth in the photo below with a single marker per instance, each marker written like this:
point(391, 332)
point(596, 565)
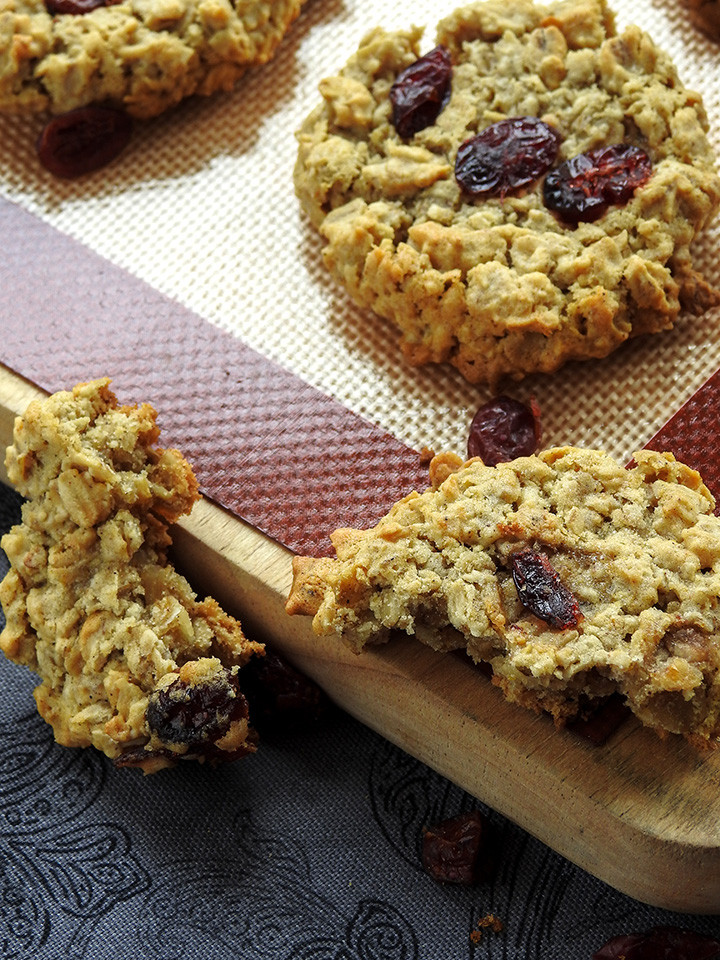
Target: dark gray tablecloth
point(307, 850)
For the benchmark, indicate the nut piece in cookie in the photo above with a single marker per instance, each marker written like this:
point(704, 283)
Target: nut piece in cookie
point(483, 267)
point(131, 662)
point(573, 577)
point(142, 56)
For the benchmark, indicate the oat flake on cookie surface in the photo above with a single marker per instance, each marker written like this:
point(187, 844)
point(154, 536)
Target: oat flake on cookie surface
point(501, 285)
point(636, 551)
point(131, 662)
point(142, 55)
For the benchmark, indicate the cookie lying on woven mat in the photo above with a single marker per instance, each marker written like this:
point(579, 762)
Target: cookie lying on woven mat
point(477, 256)
point(141, 55)
point(130, 661)
point(573, 577)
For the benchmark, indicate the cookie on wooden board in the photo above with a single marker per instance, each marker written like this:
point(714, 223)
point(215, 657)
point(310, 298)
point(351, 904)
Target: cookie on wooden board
point(573, 577)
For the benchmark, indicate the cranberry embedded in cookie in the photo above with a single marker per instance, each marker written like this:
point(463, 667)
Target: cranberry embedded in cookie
point(506, 156)
point(582, 188)
point(76, 7)
point(420, 92)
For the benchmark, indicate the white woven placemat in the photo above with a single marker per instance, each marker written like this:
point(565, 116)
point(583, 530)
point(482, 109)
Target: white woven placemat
point(201, 206)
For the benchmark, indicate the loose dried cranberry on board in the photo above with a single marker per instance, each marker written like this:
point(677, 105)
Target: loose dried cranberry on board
point(420, 92)
point(83, 140)
point(459, 850)
point(503, 429)
point(506, 156)
point(582, 188)
point(660, 943)
point(542, 592)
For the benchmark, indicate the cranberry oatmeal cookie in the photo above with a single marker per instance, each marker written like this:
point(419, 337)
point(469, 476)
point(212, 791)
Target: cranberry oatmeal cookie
point(426, 178)
point(130, 661)
point(573, 577)
point(142, 55)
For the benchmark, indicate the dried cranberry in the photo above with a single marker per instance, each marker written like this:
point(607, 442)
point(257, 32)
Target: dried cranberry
point(506, 156)
point(197, 713)
point(420, 92)
point(542, 592)
point(582, 188)
point(279, 695)
point(660, 943)
point(83, 140)
point(459, 850)
point(504, 428)
point(76, 6)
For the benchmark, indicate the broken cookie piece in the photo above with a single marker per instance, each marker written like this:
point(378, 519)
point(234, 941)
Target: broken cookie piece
point(131, 662)
point(572, 576)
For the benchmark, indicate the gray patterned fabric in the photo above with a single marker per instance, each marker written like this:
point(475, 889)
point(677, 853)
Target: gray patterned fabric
point(308, 850)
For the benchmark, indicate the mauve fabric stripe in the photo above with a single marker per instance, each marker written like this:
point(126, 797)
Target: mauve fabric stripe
point(276, 452)
point(693, 434)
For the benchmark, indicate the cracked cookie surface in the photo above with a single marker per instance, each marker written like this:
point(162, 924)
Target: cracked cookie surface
point(142, 55)
point(638, 549)
point(131, 662)
point(502, 286)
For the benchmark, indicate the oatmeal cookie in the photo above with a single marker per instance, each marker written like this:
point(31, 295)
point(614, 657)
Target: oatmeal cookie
point(501, 285)
point(131, 662)
point(573, 577)
point(142, 55)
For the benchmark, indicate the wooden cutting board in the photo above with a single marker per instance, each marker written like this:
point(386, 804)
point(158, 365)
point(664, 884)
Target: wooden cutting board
point(640, 813)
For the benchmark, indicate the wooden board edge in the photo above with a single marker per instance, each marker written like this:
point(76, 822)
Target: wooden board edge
point(15, 394)
point(602, 808)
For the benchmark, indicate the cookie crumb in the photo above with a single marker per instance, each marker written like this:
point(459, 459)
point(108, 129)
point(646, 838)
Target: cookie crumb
point(488, 922)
